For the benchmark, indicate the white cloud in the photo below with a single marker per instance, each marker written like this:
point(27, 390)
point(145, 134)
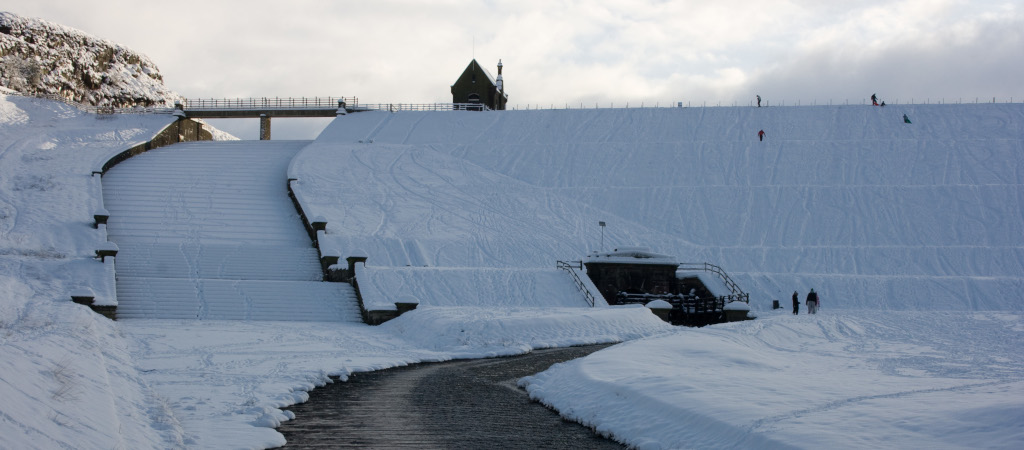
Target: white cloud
point(952, 55)
point(567, 51)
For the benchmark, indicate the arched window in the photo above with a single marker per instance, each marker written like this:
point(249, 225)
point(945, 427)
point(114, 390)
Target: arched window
point(474, 98)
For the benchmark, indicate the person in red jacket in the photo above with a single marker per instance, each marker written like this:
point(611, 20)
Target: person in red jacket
point(760, 135)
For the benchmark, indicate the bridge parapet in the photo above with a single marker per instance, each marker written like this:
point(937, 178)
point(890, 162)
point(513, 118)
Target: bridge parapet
point(266, 103)
point(264, 107)
point(282, 107)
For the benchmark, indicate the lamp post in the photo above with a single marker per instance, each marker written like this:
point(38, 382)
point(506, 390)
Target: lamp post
point(602, 235)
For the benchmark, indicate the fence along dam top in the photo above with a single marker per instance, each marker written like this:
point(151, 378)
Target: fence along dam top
point(299, 107)
point(264, 107)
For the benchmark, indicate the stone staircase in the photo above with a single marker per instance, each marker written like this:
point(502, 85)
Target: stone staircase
point(206, 230)
point(226, 299)
point(223, 261)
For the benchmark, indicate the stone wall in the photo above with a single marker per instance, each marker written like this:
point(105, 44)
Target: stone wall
point(182, 130)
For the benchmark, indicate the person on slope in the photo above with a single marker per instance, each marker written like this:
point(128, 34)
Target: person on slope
point(759, 100)
point(796, 303)
point(760, 135)
point(906, 119)
point(874, 100)
point(812, 302)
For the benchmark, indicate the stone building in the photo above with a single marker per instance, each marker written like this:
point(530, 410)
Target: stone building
point(633, 270)
point(476, 86)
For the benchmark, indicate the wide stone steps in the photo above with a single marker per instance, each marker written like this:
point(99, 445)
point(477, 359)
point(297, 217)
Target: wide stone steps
point(206, 230)
point(224, 261)
point(205, 191)
point(214, 299)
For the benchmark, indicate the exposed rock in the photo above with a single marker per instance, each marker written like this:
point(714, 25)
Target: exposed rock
point(39, 58)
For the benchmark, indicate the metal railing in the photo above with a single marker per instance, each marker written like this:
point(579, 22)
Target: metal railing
point(135, 110)
point(767, 103)
point(103, 110)
point(351, 103)
point(217, 104)
point(568, 266)
point(686, 304)
point(729, 283)
point(395, 107)
point(269, 103)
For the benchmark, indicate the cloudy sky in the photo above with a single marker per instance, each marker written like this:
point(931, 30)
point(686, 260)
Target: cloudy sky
point(571, 51)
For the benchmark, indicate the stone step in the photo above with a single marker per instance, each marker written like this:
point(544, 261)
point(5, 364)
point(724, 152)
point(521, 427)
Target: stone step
point(206, 230)
point(223, 261)
point(212, 299)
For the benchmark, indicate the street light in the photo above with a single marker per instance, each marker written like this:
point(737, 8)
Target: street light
point(602, 235)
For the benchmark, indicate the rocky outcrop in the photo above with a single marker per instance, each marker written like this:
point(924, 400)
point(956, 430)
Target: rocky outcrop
point(39, 57)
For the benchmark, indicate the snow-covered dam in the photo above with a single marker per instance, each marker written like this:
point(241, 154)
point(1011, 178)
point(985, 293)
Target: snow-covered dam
point(206, 230)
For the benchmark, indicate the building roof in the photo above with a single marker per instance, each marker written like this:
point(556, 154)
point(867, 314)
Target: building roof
point(482, 68)
point(631, 255)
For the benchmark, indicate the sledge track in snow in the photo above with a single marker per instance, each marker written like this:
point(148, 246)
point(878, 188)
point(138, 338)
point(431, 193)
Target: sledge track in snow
point(206, 230)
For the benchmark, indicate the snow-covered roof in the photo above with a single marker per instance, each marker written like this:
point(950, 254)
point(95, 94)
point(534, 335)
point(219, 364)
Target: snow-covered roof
point(631, 255)
point(486, 72)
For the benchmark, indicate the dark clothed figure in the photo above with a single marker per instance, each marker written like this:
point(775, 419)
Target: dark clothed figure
point(758, 101)
point(812, 302)
point(760, 135)
point(874, 99)
point(796, 303)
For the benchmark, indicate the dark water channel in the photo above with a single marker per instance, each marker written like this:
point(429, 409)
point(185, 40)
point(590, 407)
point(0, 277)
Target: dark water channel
point(457, 404)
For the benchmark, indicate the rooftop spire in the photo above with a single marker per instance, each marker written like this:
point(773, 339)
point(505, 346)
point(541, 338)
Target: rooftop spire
point(499, 81)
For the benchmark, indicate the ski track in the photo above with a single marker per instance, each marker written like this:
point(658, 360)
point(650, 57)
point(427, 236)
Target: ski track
point(766, 424)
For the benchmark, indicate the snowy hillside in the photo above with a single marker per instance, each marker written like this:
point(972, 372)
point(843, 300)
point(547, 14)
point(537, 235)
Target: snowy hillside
point(39, 57)
point(876, 214)
point(68, 378)
point(850, 200)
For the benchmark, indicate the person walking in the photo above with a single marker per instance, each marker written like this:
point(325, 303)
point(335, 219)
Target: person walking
point(796, 303)
point(759, 100)
point(812, 302)
point(874, 99)
point(760, 135)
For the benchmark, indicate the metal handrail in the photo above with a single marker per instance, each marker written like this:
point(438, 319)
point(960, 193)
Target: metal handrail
point(394, 107)
point(351, 103)
point(103, 110)
point(729, 283)
point(272, 103)
point(216, 104)
point(700, 304)
point(568, 266)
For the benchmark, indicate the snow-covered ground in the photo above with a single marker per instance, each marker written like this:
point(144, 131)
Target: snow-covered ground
point(850, 200)
point(67, 378)
point(850, 379)
point(226, 380)
point(911, 232)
